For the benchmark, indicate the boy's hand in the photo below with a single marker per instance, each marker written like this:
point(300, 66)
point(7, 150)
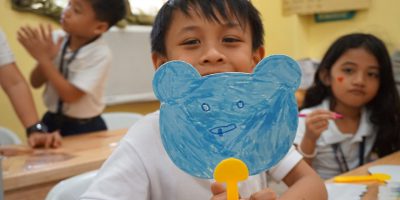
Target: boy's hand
point(39, 42)
point(316, 123)
point(219, 193)
point(46, 140)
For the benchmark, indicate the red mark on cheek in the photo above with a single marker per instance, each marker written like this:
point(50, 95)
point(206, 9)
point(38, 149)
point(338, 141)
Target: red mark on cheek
point(340, 79)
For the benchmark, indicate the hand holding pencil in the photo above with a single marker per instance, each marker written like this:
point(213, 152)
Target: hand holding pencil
point(317, 122)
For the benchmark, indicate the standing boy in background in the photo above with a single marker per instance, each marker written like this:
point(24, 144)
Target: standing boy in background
point(17, 89)
point(214, 36)
point(74, 69)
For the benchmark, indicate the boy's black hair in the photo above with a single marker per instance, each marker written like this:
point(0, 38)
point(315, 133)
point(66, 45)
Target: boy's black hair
point(243, 10)
point(384, 107)
point(110, 11)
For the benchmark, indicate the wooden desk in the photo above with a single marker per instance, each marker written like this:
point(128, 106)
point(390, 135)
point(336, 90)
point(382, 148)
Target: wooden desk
point(32, 175)
point(392, 159)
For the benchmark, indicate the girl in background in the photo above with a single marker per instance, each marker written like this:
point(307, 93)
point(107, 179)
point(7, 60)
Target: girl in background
point(352, 110)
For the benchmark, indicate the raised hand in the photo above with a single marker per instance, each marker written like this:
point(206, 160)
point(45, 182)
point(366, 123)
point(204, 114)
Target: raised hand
point(317, 122)
point(39, 42)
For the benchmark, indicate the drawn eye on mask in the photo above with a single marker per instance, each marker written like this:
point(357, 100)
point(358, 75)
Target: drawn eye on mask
point(251, 117)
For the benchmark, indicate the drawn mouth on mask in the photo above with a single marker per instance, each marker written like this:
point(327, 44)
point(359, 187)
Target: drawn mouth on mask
point(221, 130)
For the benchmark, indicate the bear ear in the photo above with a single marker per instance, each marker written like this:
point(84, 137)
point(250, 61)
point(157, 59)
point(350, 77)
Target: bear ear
point(279, 69)
point(172, 79)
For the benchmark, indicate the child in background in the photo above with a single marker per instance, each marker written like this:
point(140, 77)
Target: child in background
point(214, 36)
point(74, 69)
point(17, 89)
point(352, 109)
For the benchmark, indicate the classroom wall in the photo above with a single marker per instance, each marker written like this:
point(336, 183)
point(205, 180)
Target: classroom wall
point(300, 36)
point(382, 20)
point(296, 36)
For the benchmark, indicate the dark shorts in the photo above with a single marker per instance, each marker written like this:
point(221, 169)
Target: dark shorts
point(73, 126)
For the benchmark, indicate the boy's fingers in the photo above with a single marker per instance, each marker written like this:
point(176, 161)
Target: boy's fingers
point(266, 194)
point(36, 33)
point(30, 31)
point(49, 140)
point(57, 139)
point(25, 32)
point(217, 188)
point(49, 29)
point(31, 141)
point(43, 32)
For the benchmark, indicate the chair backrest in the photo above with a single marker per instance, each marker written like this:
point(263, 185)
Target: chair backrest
point(8, 137)
point(119, 120)
point(72, 188)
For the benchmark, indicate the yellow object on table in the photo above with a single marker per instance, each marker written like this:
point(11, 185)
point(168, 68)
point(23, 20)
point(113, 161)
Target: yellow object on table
point(373, 177)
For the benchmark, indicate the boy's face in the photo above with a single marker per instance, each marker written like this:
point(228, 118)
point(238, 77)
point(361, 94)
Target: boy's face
point(209, 46)
point(79, 19)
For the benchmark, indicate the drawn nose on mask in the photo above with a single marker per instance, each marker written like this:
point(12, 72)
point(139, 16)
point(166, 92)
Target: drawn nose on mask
point(221, 130)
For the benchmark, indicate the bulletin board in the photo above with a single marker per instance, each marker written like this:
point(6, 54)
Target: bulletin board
point(306, 7)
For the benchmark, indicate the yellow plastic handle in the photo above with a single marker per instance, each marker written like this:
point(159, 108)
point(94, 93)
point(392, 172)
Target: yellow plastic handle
point(231, 171)
point(372, 177)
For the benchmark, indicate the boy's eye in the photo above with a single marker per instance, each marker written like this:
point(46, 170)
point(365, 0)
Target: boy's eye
point(230, 39)
point(205, 107)
point(191, 42)
point(77, 10)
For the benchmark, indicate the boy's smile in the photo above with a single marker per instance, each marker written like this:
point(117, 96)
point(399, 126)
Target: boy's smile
point(211, 47)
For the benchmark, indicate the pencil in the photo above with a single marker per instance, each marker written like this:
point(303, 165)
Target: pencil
point(337, 116)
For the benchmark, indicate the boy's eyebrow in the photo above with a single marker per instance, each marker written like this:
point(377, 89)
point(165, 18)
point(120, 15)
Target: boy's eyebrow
point(78, 5)
point(194, 27)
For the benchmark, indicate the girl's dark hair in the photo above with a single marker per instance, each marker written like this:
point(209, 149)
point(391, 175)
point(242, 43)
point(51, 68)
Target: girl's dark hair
point(243, 10)
point(110, 11)
point(384, 107)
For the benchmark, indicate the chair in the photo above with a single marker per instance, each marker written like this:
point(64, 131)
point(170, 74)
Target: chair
point(72, 188)
point(8, 137)
point(119, 120)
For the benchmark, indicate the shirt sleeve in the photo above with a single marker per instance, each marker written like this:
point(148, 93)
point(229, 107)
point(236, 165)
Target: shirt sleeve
point(122, 177)
point(94, 71)
point(291, 159)
point(6, 56)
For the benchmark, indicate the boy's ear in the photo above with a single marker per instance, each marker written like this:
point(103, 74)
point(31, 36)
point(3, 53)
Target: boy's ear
point(100, 28)
point(324, 77)
point(158, 60)
point(258, 54)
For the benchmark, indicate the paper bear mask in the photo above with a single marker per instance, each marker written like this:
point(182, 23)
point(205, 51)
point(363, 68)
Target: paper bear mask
point(251, 117)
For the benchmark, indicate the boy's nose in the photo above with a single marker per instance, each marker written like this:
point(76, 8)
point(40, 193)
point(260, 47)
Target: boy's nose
point(66, 11)
point(212, 56)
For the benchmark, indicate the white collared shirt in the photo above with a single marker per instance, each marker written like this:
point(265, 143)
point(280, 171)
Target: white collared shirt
point(140, 168)
point(6, 56)
point(88, 72)
point(325, 162)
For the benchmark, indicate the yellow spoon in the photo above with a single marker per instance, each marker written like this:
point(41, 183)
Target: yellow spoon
point(231, 171)
point(373, 177)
